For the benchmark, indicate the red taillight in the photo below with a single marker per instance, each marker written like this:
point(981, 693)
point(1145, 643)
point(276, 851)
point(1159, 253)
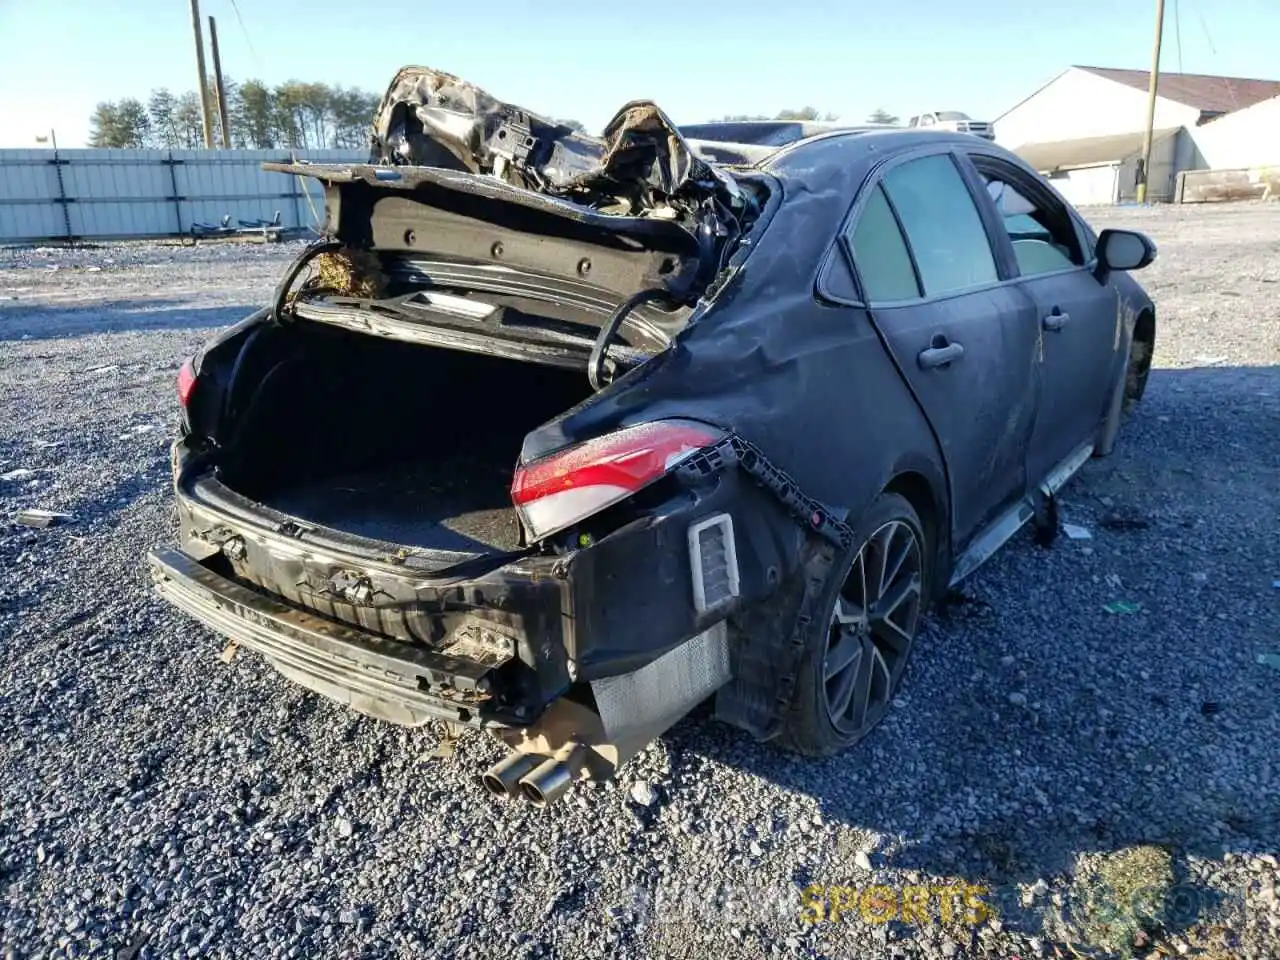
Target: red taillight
point(186, 381)
point(564, 488)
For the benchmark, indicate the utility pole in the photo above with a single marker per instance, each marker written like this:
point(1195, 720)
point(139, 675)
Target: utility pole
point(1152, 86)
point(217, 84)
point(204, 81)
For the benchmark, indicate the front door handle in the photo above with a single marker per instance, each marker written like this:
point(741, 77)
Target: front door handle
point(940, 354)
point(1056, 320)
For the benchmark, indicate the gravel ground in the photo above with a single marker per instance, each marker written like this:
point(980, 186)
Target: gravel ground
point(156, 803)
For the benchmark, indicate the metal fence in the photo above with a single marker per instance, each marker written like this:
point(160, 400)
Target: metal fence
point(50, 195)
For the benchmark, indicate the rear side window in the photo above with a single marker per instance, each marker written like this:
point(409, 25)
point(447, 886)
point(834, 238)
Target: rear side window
point(1044, 239)
point(880, 253)
point(942, 225)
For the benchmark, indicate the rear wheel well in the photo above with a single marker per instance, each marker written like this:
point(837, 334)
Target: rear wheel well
point(918, 491)
point(919, 494)
point(1144, 336)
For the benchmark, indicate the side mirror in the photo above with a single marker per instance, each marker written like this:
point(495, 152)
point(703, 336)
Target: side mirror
point(1123, 250)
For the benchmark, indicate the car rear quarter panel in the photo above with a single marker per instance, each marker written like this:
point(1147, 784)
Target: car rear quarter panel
point(808, 382)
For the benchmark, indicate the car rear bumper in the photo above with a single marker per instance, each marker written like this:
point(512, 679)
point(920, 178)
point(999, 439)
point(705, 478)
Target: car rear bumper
point(493, 642)
point(369, 673)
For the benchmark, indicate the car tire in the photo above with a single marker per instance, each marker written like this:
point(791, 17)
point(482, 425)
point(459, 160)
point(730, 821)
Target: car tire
point(852, 668)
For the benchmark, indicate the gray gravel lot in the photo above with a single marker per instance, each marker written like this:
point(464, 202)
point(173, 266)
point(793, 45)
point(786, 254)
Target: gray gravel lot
point(156, 803)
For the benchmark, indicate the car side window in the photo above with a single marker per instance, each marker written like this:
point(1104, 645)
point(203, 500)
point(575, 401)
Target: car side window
point(1044, 239)
point(942, 224)
point(880, 253)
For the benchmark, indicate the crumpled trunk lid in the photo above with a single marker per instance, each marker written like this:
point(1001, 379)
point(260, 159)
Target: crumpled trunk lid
point(641, 165)
point(455, 172)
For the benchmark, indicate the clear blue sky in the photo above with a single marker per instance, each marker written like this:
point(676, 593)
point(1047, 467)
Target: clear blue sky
point(699, 59)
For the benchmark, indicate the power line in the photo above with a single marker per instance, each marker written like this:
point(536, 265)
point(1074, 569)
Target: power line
point(253, 54)
point(1205, 27)
point(1177, 32)
point(1230, 87)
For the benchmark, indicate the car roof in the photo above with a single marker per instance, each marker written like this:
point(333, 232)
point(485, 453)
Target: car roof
point(880, 139)
point(768, 133)
point(756, 142)
point(841, 159)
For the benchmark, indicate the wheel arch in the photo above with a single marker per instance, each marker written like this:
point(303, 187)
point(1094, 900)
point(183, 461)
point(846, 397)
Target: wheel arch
point(927, 498)
point(1144, 342)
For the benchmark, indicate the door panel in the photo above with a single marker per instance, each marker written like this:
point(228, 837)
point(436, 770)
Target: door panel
point(1081, 328)
point(1076, 315)
point(966, 344)
point(982, 403)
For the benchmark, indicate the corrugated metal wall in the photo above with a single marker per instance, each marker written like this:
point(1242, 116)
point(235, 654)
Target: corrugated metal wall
point(122, 194)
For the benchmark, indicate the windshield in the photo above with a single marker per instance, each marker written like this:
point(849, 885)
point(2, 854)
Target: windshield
point(951, 115)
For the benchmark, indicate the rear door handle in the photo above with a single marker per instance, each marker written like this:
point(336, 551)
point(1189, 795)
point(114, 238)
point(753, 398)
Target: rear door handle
point(940, 354)
point(1056, 320)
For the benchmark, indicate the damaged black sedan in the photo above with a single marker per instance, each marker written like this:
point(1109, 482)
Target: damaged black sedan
point(558, 436)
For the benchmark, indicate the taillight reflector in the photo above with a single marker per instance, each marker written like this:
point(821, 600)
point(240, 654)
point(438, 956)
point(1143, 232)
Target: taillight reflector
point(564, 488)
point(186, 381)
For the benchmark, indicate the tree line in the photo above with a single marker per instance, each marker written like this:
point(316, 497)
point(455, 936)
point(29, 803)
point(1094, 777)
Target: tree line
point(304, 116)
point(294, 115)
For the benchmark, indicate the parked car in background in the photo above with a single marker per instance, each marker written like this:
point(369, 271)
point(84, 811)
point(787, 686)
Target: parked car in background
point(955, 121)
point(558, 436)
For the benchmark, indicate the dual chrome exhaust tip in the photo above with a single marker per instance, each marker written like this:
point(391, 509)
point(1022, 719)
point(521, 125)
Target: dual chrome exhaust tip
point(540, 781)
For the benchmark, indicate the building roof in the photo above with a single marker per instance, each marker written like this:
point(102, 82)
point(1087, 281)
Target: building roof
point(1088, 151)
point(1198, 90)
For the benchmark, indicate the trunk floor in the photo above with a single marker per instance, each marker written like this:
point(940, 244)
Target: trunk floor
point(455, 503)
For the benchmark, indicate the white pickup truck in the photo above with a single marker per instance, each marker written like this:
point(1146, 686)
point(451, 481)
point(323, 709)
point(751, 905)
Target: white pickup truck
point(954, 120)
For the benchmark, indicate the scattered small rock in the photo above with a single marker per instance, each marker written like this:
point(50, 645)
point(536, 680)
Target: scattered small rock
point(643, 793)
point(42, 518)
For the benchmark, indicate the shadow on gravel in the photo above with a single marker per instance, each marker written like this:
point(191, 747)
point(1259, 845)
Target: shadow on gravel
point(1039, 732)
point(47, 322)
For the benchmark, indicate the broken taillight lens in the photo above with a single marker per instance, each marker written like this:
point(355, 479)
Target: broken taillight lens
point(564, 488)
point(186, 381)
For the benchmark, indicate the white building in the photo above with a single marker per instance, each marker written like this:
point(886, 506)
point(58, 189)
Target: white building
point(1246, 138)
point(1099, 101)
point(1104, 170)
point(1084, 127)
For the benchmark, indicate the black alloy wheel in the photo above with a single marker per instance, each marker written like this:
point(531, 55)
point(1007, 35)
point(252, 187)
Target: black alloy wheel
point(853, 668)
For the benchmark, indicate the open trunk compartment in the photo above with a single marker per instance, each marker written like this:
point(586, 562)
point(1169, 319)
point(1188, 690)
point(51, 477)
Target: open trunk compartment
point(485, 272)
point(384, 440)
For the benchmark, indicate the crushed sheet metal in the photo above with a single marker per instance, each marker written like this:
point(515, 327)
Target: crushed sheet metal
point(641, 163)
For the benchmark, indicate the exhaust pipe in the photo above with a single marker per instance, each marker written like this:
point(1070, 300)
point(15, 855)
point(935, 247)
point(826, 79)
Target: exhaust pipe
point(552, 778)
point(503, 778)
